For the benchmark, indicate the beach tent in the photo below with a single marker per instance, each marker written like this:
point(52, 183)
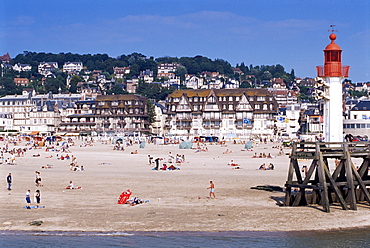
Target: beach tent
point(248, 145)
point(123, 198)
point(186, 145)
point(142, 144)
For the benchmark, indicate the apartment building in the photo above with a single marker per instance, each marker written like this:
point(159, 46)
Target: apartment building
point(124, 113)
point(221, 112)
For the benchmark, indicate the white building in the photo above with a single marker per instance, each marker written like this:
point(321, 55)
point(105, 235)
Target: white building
point(72, 67)
point(244, 113)
point(47, 68)
point(41, 113)
point(6, 121)
point(21, 67)
point(358, 121)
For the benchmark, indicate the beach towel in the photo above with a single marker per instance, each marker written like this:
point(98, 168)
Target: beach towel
point(124, 197)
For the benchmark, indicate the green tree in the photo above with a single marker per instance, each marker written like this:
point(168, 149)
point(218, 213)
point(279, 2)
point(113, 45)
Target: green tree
point(180, 72)
point(151, 112)
point(116, 90)
point(245, 84)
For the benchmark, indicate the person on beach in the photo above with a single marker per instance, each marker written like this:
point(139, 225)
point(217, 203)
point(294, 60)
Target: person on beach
point(37, 197)
point(28, 199)
point(71, 186)
point(38, 179)
point(150, 160)
point(9, 181)
point(211, 190)
point(157, 163)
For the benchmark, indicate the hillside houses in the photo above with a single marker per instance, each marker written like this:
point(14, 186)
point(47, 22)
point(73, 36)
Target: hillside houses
point(21, 67)
point(72, 67)
point(47, 68)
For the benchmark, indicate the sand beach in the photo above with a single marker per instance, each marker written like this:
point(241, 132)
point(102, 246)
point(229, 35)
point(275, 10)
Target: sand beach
point(177, 200)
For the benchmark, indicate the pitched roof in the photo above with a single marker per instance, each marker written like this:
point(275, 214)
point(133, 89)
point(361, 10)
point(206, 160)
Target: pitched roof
point(221, 92)
point(363, 105)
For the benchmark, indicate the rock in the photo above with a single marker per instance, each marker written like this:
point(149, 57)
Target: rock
point(36, 223)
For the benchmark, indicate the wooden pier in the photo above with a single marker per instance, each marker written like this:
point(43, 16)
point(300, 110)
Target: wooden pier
point(346, 185)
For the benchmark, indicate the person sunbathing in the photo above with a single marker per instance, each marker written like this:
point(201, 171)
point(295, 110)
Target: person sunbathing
point(262, 167)
point(48, 166)
point(232, 163)
point(227, 151)
point(173, 168)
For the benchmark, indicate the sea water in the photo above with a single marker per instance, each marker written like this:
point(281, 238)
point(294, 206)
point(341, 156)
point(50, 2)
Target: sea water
point(341, 238)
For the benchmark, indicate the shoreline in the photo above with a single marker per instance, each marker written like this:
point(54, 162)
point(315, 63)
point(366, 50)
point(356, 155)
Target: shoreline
point(179, 233)
point(178, 200)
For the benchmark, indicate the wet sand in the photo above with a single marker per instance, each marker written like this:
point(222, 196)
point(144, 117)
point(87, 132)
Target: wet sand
point(178, 200)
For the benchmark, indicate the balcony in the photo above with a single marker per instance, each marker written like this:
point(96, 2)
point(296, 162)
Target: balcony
point(211, 119)
point(77, 123)
point(245, 126)
point(184, 118)
point(182, 127)
point(332, 70)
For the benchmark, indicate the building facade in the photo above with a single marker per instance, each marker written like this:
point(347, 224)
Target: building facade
point(124, 113)
point(72, 67)
point(221, 112)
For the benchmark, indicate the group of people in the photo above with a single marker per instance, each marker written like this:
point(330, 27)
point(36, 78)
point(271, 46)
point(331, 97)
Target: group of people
point(262, 155)
point(271, 166)
point(169, 165)
point(37, 197)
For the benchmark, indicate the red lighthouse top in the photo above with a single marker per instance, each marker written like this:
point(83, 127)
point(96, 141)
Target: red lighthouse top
point(332, 61)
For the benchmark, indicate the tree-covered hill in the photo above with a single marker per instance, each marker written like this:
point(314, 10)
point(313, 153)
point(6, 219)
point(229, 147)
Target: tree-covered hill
point(248, 76)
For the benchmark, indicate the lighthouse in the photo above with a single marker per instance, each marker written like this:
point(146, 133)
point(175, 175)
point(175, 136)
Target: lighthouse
point(329, 85)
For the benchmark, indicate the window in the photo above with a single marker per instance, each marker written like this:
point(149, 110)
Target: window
point(257, 106)
point(211, 99)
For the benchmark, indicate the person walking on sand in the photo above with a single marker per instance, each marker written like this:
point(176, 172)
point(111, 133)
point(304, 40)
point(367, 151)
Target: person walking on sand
point(28, 199)
point(211, 190)
point(9, 181)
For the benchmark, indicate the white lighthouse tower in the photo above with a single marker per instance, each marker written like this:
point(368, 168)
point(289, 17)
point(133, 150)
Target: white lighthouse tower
point(332, 73)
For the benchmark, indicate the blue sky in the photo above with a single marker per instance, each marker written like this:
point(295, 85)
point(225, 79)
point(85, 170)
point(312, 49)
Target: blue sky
point(292, 33)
